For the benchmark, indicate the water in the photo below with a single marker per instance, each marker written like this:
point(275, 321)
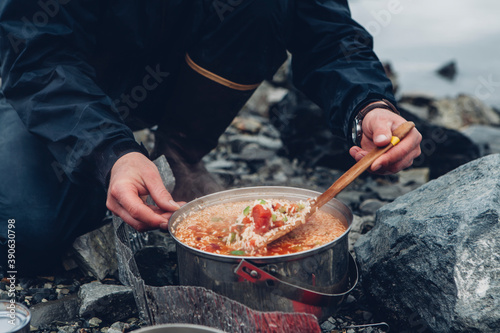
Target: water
point(418, 37)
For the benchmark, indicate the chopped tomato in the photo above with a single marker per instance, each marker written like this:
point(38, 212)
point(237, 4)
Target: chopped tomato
point(278, 224)
point(293, 208)
point(276, 206)
point(214, 247)
point(261, 217)
point(246, 220)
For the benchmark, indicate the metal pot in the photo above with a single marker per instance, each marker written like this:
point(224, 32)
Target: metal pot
point(14, 317)
point(313, 281)
point(178, 328)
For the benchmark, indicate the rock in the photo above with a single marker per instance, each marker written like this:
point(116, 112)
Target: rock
point(414, 177)
point(370, 206)
point(241, 141)
point(486, 137)
point(145, 137)
point(39, 294)
point(360, 225)
point(463, 111)
point(443, 149)
point(67, 329)
point(265, 95)
point(94, 322)
point(448, 71)
point(327, 326)
point(118, 327)
point(95, 252)
point(247, 124)
point(351, 198)
point(254, 152)
point(65, 309)
point(219, 164)
point(165, 172)
point(389, 192)
point(430, 262)
point(109, 302)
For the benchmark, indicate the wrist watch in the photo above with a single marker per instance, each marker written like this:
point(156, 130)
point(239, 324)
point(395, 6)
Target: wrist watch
point(357, 126)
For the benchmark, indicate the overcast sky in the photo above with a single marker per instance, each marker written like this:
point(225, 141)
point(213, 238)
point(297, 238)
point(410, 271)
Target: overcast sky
point(418, 36)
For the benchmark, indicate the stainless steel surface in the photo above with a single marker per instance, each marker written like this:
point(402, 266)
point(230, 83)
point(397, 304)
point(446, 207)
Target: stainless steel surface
point(14, 317)
point(324, 269)
point(293, 292)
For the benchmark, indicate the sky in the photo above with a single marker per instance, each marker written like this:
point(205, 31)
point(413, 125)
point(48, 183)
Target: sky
point(418, 37)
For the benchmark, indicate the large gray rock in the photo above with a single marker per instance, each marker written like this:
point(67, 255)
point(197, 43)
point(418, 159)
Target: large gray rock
point(432, 260)
point(486, 137)
point(64, 310)
point(95, 252)
point(108, 302)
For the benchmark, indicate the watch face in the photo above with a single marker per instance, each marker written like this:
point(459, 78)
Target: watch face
point(357, 131)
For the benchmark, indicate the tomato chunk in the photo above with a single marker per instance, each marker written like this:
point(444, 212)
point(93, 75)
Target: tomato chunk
point(262, 219)
point(278, 224)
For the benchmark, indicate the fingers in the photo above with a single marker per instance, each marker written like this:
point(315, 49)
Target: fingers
point(400, 156)
point(381, 133)
point(357, 153)
point(126, 203)
point(377, 132)
point(159, 193)
point(133, 177)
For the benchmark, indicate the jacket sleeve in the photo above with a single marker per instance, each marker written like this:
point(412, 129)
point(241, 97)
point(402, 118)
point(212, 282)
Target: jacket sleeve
point(47, 78)
point(333, 62)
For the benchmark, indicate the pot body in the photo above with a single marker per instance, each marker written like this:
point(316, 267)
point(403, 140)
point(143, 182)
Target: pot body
point(14, 317)
point(178, 328)
point(313, 281)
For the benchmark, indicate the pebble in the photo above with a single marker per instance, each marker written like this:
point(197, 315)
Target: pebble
point(67, 329)
point(370, 206)
point(94, 322)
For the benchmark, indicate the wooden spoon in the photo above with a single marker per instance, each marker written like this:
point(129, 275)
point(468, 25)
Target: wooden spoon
point(341, 183)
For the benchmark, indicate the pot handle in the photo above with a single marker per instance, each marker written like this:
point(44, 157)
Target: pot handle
point(276, 286)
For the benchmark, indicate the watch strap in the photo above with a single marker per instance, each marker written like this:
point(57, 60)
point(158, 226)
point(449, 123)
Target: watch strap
point(357, 131)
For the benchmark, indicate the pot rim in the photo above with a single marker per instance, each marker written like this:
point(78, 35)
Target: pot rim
point(243, 193)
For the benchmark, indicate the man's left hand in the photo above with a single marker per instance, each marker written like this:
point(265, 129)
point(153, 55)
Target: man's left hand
point(378, 125)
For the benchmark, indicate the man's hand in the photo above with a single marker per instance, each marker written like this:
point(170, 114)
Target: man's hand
point(133, 175)
point(378, 125)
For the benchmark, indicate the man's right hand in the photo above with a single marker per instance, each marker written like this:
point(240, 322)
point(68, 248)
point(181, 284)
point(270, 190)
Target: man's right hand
point(133, 176)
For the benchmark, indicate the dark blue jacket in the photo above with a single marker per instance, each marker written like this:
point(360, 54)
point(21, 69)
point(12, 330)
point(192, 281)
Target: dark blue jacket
point(78, 71)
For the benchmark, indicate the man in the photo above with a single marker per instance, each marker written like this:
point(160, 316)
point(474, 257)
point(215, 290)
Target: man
point(79, 76)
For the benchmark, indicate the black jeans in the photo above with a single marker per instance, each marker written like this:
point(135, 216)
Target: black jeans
point(44, 213)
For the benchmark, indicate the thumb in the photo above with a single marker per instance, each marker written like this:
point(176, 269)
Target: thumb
point(382, 134)
point(160, 194)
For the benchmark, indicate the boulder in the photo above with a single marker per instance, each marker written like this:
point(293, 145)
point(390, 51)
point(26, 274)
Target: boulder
point(431, 262)
point(108, 302)
point(486, 137)
point(95, 252)
point(64, 310)
point(462, 111)
point(448, 70)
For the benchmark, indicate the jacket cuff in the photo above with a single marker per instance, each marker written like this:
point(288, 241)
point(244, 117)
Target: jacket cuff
point(106, 157)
